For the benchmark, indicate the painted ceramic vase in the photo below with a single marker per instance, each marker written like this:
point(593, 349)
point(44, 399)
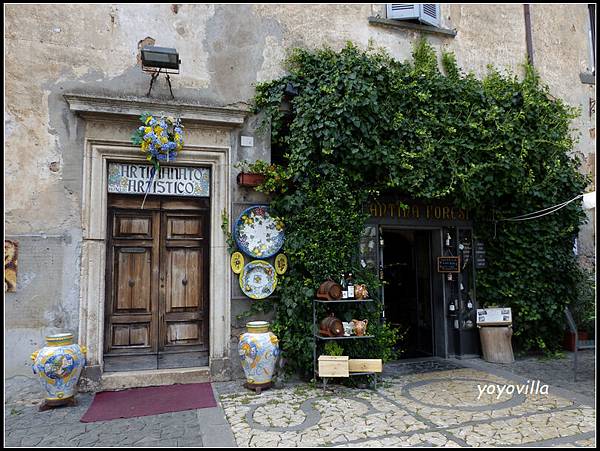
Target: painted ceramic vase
point(258, 350)
point(59, 366)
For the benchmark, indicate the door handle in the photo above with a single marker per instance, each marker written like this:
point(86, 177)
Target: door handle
point(131, 282)
point(184, 282)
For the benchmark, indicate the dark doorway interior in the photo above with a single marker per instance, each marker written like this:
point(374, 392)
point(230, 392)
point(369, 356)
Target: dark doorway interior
point(408, 290)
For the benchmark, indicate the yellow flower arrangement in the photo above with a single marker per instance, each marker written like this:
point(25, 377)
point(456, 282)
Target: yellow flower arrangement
point(159, 138)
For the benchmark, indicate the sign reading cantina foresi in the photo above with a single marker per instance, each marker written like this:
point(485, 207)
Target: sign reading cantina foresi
point(128, 178)
point(397, 209)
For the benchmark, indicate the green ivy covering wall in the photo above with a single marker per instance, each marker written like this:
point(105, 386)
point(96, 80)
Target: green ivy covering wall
point(363, 123)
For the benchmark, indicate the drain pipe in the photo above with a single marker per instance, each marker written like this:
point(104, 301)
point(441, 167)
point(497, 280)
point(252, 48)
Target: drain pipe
point(528, 35)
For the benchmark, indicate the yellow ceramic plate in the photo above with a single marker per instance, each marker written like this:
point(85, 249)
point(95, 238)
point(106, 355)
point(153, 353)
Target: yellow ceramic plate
point(237, 262)
point(281, 264)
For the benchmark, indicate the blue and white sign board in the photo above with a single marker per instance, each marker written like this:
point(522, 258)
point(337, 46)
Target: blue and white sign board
point(132, 178)
point(494, 317)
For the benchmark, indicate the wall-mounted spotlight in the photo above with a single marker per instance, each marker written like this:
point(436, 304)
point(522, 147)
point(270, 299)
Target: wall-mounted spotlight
point(289, 93)
point(166, 60)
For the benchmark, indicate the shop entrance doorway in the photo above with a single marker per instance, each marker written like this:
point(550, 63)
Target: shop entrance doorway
point(408, 289)
point(156, 313)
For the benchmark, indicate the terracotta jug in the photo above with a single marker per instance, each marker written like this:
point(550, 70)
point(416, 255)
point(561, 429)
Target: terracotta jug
point(360, 327)
point(360, 291)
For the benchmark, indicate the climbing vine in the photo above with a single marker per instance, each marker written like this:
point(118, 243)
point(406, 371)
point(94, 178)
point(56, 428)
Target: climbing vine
point(363, 123)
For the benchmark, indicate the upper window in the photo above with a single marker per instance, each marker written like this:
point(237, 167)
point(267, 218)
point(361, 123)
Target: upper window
point(427, 13)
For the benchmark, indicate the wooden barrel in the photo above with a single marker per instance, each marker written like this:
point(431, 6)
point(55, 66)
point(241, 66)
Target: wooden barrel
point(331, 327)
point(329, 290)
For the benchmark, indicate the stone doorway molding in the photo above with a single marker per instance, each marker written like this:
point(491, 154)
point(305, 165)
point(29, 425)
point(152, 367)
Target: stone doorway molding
point(109, 124)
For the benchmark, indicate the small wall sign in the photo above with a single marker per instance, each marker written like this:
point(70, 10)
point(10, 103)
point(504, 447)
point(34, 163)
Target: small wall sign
point(448, 264)
point(131, 178)
point(480, 255)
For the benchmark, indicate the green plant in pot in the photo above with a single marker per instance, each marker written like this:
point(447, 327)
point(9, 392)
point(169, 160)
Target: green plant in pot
point(333, 348)
point(261, 175)
point(251, 174)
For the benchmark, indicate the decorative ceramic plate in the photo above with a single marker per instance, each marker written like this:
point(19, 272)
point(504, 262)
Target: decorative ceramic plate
point(237, 262)
point(258, 279)
point(281, 264)
point(257, 233)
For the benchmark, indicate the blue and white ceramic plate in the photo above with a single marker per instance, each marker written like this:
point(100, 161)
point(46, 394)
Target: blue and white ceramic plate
point(258, 279)
point(257, 233)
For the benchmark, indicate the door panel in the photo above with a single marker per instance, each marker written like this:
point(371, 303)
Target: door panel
point(127, 226)
point(131, 316)
point(133, 279)
point(184, 279)
point(183, 299)
point(156, 284)
point(128, 335)
point(183, 333)
point(184, 227)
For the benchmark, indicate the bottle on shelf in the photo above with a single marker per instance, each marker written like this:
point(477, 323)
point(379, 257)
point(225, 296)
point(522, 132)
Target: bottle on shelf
point(448, 239)
point(469, 304)
point(350, 287)
point(452, 307)
point(344, 287)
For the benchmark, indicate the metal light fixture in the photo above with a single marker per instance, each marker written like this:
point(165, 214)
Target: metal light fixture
point(166, 60)
point(289, 93)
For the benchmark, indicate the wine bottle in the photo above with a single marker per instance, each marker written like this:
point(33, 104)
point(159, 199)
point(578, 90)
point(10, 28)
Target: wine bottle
point(344, 287)
point(350, 287)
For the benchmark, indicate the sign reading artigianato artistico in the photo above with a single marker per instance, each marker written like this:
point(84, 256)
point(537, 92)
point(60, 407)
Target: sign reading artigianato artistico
point(127, 178)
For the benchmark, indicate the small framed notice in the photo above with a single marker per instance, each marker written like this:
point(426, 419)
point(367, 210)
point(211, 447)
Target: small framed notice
point(448, 264)
point(494, 316)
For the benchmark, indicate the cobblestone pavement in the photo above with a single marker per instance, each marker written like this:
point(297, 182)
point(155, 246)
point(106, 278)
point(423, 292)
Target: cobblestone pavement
point(434, 404)
point(417, 403)
point(25, 426)
point(556, 372)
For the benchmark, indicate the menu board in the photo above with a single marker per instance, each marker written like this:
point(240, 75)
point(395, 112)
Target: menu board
point(480, 255)
point(448, 264)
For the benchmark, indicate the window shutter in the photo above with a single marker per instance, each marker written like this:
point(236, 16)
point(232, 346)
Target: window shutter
point(428, 13)
point(402, 11)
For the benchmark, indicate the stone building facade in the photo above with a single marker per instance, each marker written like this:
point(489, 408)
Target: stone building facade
point(74, 90)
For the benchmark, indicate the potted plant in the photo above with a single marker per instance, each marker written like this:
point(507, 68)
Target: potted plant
point(252, 174)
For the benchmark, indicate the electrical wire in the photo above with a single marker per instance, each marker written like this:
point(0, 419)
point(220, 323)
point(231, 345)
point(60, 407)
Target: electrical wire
point(543, 212)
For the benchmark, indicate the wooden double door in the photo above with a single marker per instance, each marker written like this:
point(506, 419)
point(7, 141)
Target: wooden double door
point(156, 313)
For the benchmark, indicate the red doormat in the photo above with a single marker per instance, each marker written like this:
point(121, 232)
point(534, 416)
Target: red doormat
point(141, 402)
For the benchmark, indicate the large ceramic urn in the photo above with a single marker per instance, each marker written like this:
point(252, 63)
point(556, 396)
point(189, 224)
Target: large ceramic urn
point(59, 365)
point(258, 350)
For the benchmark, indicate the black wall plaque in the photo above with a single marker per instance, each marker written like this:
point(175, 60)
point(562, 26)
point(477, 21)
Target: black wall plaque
point(448, 264)
point(480, 255)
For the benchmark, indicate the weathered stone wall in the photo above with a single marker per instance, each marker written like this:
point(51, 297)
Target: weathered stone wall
point(94, 49)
